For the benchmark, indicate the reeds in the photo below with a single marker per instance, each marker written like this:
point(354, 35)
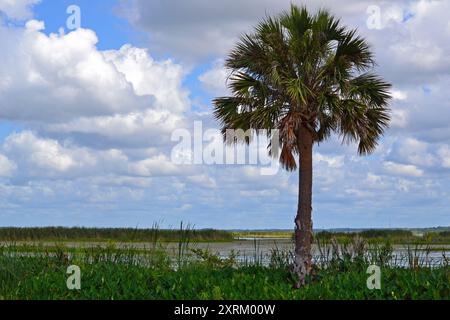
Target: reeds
point(153, 234)
point(153, 272)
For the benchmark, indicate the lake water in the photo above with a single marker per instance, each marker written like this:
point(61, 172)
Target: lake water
point(261, 249)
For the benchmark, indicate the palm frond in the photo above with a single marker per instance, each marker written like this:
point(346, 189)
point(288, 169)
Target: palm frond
point(301, 70)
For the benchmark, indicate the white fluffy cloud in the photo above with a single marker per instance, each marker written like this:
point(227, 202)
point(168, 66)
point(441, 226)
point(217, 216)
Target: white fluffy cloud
point(215, 79)
point(38, 157)
point(17, 9)
point(403, 169)
point(7, 167)
point(414, 48)
point(94, 126)
point(444, 153)
point(42, 158)
point(148, 77)
point(415, 152)
point(65, 83)
point(66, 76)
point(201, 28)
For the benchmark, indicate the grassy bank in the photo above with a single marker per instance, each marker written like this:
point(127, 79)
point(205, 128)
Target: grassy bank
point(154, 234)
point(110, 273)
point(395, 236)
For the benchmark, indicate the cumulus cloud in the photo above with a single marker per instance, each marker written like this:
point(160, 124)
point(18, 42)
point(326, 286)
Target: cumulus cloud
point(71, 86)
point(38, 157)
point(215, 79)
point(203, 180)
point(411, 43)
point(148, 77)
point(403, 169)
point(413, 151)
point(7, 167)
point(444, 153)
point(45, 154)
point(411, 47)
point(331, 161)
point(269, 193)
point(64, 75)
point(416, 48)
point(17, 9)
point(156, 166)
point(399, 118)
point(200, 28)
point(95, 125)
point(41, 158)
point(399, 95)
point(135, 129)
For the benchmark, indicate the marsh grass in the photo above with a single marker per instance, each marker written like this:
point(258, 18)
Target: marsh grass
point(112, 272)
point(395, 236)
point(151, 235)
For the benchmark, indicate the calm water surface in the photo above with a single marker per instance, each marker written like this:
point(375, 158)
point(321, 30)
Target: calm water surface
point(251, 249)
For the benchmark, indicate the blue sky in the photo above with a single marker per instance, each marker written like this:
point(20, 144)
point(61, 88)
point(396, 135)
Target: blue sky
point(86, 118)
point(112, 31)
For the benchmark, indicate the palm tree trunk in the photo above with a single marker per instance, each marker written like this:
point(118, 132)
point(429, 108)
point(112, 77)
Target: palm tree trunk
point(303, 222)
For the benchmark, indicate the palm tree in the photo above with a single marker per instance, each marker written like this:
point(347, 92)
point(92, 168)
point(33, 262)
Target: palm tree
point(309, 77)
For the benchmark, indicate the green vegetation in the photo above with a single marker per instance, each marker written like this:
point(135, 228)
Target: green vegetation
point(282, 234)
point(110, 234)
point(395, 236)
point(59, 234)
point(32, 272)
